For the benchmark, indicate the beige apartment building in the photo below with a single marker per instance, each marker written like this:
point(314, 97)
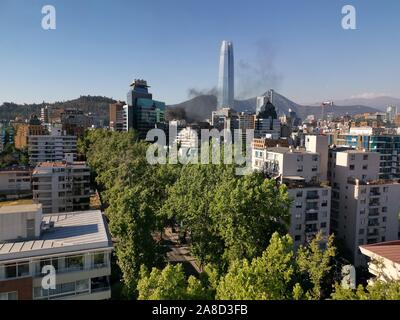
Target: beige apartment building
point(299, 170)
point(77, 246)
point(61, 186)
point(365, 208)
point(15, 182)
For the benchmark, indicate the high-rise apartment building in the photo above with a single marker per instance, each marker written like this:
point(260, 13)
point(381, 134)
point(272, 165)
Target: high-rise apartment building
point(61, 186)
point(365, 208)
point(54, 147)
point(44, 115)
point(299, 170)
point(117, 115)
point(77, 245)
point(226, 76)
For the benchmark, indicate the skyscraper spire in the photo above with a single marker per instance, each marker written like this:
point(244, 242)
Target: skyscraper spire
point(226, 76)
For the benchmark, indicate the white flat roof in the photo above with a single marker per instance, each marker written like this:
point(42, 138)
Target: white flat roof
point(75, 231)
point(19, 206)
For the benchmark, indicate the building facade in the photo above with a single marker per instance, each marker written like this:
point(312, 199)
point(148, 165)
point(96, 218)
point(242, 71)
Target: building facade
point(365, 208)
point(15, 183)
point(24, 131)
point(53, 147)
point(76, 246)
point(142, 113)
point(299, 170)
point(117, 115)
point(61, 186)
point(226, 85)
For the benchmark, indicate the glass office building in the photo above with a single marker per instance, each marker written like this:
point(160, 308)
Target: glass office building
point(142, 112)
point(387, 145)
point(226, 76)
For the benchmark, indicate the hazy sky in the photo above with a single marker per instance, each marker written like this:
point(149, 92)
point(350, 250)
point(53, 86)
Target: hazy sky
point(296, 47)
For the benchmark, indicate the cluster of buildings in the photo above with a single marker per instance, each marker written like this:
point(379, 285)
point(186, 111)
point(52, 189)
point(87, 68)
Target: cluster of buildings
point(48, 228)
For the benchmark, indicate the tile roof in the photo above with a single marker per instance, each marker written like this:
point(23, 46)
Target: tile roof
point(388, 250)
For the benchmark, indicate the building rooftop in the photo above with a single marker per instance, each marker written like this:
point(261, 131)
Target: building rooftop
point(289, 150)
point(41, 166)
point(388, 250)
point(18, 206)
point(72, 232)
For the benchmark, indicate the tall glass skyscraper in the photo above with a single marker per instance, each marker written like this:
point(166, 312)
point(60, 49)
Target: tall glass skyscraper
point(226, 76)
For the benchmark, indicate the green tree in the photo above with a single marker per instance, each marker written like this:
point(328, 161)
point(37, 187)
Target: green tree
point(269, 277)
point(170, 284)
point(247, 211)
point(315, 262)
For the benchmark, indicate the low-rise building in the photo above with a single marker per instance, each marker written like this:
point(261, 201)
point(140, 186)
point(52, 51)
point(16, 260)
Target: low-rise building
point(15, 182)
point(61, 186)
point(76, 246)
point(384, 260)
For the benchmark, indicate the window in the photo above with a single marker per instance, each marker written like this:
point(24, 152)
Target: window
point(23, 269)
point(361, 231)
point(352, 157)
point(98, 259)
point(11, 270)
point(299, 194)
point(384, 209)
point(299, 168)
point(352, 167)
point(9, 295)
point(99, 284)
point(74, 262)
point(298, 227)
point(365, 157)
point(365, 167)
point(297, 238)
point(323, 225)
point(82, 285)
point(324, 193)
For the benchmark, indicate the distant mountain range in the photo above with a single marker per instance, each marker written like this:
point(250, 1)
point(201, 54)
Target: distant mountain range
point(200, 107)
point(88, 104)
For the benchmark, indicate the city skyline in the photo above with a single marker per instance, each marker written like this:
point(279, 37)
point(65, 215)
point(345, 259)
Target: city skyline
point(303, 53)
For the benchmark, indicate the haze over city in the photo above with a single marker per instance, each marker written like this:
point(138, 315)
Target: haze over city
point(98, 48)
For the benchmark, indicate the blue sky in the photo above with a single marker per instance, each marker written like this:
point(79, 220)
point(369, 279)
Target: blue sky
point(297, 47)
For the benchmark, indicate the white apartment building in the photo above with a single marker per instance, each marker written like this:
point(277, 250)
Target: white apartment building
point(299, 170)
point(77, 245)
point(61, 186)
point(319, 144)
point(53, 147)
point(364, 209)
point(15, 182)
